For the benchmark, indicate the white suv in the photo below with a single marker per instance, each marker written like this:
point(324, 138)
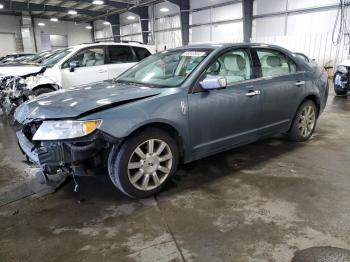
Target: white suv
point(78, 65)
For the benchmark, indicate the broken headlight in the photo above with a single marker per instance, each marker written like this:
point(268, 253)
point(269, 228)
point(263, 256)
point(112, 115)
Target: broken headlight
point(31, 81)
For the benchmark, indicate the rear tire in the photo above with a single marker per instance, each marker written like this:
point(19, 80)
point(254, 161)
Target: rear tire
point(42, 90)
point(304, 122)
point(142, 165)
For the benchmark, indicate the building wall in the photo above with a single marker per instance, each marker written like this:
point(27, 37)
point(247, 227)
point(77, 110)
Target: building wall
point(306, 27)
point(10, 35)
point(166, 26)
point(75, 33)
point(102, 32)
point(130, 30)
point(293, 23)
point(216, 23)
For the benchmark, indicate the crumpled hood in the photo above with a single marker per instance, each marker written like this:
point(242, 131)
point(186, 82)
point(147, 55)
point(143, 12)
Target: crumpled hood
point(72, 103)
point(19, 69)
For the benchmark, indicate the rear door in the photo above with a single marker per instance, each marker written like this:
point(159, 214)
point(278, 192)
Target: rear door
point(91, 67)
point(120, 58)
point(279, 84)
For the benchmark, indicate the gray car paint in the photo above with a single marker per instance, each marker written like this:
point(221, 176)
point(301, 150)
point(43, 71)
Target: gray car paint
point(207, 122)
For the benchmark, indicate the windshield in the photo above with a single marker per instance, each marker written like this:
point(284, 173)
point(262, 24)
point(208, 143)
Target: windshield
point(55, 57)
point(169, 68)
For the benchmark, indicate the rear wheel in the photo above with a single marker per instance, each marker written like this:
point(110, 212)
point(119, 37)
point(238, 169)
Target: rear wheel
point(141, 166)
point(304, 122)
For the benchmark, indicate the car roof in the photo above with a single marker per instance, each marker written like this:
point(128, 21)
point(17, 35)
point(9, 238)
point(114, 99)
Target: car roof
point(215, 46)
point(134, 44)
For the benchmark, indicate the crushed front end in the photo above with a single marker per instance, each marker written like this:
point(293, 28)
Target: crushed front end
point(341, 79)
point(80, 156)
point(14, 92)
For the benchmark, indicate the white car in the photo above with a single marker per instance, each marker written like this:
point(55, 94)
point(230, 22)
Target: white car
point(78, 65)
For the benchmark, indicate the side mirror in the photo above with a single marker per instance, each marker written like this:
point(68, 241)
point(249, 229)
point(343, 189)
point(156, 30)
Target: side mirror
point(213, 82)
point(73, 65)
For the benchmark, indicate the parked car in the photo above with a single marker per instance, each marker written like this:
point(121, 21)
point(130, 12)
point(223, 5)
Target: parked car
point(12, 57)
point(78, 65)
point(67, 68)
point(178, 105)
point(341, 78)
point(13, 88)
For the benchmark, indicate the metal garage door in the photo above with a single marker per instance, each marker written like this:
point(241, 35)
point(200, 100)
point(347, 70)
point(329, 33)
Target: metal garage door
point(8, 44)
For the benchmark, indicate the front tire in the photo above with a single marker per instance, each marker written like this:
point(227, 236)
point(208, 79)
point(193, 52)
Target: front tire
point(143, 164)
point(304, 122)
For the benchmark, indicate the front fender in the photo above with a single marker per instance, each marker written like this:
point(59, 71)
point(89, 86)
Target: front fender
point(119, 122)
point(46, 81)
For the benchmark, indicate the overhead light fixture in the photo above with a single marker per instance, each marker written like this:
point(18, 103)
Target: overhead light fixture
point(72, 12)
point(41, 24)
point(106, 23)
point(54, 19)
point(89, 27)
point(98, 2)
point(131, 17)
point(1, 6)
point(164, 9)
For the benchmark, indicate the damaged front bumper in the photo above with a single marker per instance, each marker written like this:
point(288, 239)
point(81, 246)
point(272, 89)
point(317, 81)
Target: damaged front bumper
point(84, 156)
point(342, 81)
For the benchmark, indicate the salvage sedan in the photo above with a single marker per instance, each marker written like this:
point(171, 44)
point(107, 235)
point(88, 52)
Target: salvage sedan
point(175, 106)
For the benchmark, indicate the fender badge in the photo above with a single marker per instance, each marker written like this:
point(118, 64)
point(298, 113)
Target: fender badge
point(183, 107)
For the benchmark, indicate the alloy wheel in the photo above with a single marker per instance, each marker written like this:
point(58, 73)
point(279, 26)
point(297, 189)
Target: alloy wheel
point(307, 121)
point(150, 164)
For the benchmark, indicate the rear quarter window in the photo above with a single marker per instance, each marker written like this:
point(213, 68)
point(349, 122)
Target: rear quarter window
point(141, 53)
point(120, 54)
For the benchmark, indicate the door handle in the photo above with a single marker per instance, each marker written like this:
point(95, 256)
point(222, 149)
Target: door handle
point(300, 83)
point(253, 93)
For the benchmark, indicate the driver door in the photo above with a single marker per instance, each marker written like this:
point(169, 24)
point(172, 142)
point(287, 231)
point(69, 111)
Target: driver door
point(91, 68)
point(224, 118)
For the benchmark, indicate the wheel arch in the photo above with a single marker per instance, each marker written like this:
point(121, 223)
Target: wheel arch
point(50, 86)
point(166, 127)
point(314, 98)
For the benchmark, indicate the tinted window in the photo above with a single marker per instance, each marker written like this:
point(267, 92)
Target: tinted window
point(141, 53)
point(93, 56)
point(120, 54)
point(274, 63)
point(235, 66)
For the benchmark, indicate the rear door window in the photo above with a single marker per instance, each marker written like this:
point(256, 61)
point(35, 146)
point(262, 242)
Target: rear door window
point(141, 53)
point(121, 54)
point(275, 63)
